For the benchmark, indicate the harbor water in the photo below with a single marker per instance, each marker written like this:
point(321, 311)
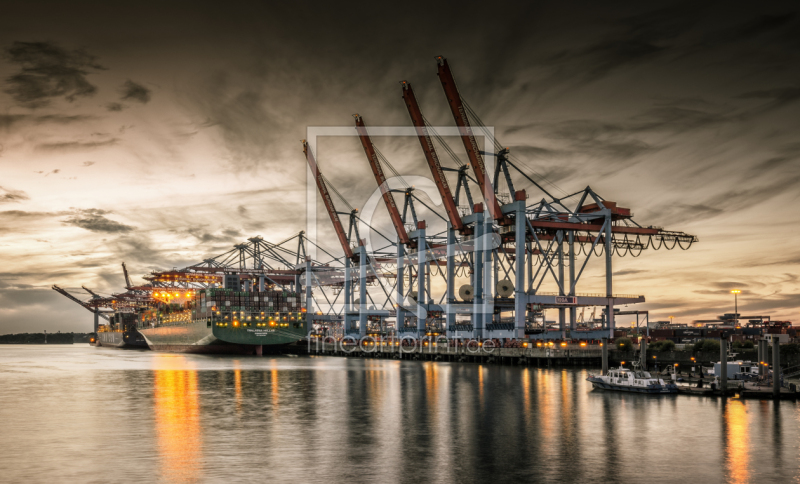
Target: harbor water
point(75, 413)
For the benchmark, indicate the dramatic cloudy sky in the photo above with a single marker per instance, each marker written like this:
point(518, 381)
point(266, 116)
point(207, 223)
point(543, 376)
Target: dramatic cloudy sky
point(158, 133)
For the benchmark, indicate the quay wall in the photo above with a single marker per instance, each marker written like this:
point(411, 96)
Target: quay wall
point(589, 357)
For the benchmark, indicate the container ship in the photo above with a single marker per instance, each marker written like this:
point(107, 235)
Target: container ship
point(121, 332)
point(216, 320)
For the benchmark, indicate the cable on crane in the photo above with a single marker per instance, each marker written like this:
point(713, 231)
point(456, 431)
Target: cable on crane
point(385, 162)
point(442, 142)
point(332, 187)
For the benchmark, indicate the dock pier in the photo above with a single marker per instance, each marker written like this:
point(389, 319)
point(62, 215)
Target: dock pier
point(539, 357)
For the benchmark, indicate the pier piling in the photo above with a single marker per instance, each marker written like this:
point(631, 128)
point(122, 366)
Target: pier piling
point(643, 348)
point(605, 356)
point(723, 366)
point(776, 368)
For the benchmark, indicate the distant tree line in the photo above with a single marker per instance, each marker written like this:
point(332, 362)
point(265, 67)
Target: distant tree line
point(39, 338)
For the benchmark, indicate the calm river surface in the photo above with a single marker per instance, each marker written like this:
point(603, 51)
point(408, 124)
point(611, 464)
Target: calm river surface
point(83, 414)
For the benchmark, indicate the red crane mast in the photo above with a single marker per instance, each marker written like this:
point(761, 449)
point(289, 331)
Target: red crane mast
point(326, 198)
point(468, 138)
point(375, 164)
point(431, 157)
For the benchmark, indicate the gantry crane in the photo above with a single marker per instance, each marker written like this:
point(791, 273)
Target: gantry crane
point(403, 240)
point(380, 178)
point(450, 205)
point(328, 201)
point(95, 311)
point(431, 157)
point(344, 241)
point(470, 143)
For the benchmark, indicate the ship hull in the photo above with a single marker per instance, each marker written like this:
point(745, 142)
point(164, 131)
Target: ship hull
point(118, 339)
point(260, 336)
point(193, 337)
point(654, 389)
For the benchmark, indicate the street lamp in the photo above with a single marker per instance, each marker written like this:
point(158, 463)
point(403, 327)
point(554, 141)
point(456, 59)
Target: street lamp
point(735, 293)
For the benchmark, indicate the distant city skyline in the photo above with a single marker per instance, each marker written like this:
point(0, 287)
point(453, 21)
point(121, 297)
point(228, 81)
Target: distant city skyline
point(159, 134)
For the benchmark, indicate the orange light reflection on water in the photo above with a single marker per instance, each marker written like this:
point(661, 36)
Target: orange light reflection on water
point(432, 387)
point(274, 386)
point(737, 438)
point(237, 385)
point(177, 419)
point(526, 395)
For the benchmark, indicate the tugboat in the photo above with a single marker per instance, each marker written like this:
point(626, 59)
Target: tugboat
point(635, 381)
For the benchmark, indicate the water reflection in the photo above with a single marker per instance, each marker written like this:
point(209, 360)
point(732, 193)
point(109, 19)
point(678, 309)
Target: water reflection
point(216, 419)
point(737, 441)
point(237, 386)
point(273, 380)
point(178, 432)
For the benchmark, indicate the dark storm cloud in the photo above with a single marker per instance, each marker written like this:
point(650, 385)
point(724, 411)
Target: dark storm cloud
point(14, 196)
point(774, 163)
point(76, 145)
point(7, 121)
point(628, 272)
point(664, 34)
point(679, 213)
point(777, 97)
point(553, 174)
point(748, 30)
point(528, 151)
point(748, 195)
point(749, 192)
point(680, 115)
point(600, 139)
point(14, 215)
point(47, 72)
point(131, 91)
point(631, 40)
point(114, 107)
point(204, 236)
point(760, 25)
point(94, 220)
point(138, 250)
point(243, 118)
point(770, 303)
point(782, 260)
point(19, 220)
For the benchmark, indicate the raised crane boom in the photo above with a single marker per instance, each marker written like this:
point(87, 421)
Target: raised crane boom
point(468, 138)
point(94, 294)
point(127, 279)
point(326, 198)
point(75, 299)
point(372, 157)
point(431, 157)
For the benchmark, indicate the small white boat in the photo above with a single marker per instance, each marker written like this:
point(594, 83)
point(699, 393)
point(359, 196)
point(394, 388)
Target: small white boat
point(634, 381)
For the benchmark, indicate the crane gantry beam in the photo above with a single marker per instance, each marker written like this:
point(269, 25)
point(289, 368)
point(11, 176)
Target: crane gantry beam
point(468, 138)
point(76, 300)
point(380, 178)
point(328, 201)
point(431, 157)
